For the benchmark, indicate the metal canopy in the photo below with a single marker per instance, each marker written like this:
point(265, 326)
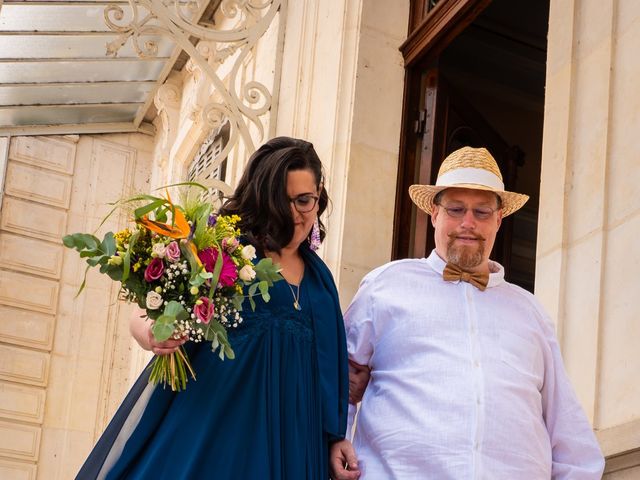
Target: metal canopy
point(56, 77)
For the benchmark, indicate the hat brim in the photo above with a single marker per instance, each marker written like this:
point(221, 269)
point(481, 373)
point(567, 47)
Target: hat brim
point(422, 196)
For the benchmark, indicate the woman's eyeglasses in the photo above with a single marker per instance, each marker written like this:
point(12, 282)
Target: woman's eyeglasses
point(480, 213)
point(304, 203)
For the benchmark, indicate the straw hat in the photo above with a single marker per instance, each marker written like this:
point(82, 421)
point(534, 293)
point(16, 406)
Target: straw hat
point(468, 167)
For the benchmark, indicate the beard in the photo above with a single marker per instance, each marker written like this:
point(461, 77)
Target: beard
point(466, 257)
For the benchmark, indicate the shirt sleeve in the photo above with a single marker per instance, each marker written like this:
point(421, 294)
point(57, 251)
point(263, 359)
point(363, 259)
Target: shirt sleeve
point(358, 322)
point(575, 449)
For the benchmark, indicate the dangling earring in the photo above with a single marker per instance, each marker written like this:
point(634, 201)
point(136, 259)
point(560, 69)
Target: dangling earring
point(314, 238)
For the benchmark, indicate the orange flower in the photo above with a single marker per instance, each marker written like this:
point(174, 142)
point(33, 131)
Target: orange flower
point(179, 228)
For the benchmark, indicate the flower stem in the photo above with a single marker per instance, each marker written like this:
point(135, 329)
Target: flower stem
point(171, 370)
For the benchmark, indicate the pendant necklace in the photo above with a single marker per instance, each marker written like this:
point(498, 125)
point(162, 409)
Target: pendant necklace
point(296, 296)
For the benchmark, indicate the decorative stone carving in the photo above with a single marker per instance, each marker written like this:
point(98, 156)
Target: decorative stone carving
point(167, 101)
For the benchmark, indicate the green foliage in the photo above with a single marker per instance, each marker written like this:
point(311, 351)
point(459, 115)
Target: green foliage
point(95, 251)
point(267, 271)
point(164, 325)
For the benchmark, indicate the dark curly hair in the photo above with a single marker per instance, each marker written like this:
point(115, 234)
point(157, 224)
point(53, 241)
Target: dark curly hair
point(260, 199)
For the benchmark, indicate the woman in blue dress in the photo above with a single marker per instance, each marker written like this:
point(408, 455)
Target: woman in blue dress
point(271, 413)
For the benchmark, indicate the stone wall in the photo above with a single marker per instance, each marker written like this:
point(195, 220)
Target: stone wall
point(64, 361)
point(587, 259)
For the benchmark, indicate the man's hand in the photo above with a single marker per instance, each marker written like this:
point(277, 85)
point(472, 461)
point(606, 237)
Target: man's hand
point(358, 380)
point(343, 462)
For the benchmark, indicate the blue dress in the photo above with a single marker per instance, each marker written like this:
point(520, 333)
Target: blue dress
point(269, 414)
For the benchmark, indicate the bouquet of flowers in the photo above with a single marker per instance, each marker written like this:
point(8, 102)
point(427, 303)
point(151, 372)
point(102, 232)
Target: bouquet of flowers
point(186, 267)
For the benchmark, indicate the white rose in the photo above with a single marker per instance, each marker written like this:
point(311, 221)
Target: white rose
point(248, 252)
point(247, 273)
point(158, 250)
point(154, 300)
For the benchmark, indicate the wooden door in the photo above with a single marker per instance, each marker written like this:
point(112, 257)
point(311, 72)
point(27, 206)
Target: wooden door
point(445, 121)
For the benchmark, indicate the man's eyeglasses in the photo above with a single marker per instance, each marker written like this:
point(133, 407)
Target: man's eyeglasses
point(304, 203)
point(480, 213)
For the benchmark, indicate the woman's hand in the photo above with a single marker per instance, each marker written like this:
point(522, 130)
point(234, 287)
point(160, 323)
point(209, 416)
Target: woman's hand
point(140, 327)
point(343, 463)
point(163, 348)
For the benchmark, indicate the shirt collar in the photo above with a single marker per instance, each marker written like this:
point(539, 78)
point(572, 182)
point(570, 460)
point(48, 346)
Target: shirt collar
point(496, 271)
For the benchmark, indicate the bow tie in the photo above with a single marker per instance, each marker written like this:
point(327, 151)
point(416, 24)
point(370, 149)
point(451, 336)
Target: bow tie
point(453, 272)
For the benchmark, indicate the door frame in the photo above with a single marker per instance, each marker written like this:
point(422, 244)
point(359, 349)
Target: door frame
point(430, 32)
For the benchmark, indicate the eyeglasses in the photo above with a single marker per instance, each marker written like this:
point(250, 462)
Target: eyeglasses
point(304, 203)
point(479, 213)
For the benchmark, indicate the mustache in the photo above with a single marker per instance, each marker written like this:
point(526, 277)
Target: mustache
point(452, 236)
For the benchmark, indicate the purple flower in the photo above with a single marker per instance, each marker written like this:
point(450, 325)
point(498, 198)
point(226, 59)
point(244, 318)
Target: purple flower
point(154, 270)
point(213, 218)
point(172, 252)
point(203, 309)
point(228, 274)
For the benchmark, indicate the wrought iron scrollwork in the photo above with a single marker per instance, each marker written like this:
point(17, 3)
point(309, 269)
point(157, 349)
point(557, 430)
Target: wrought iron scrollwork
point(242, 103)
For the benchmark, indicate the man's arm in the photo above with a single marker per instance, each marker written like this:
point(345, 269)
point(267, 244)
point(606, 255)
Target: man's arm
point(575, 449)
point(358, 381)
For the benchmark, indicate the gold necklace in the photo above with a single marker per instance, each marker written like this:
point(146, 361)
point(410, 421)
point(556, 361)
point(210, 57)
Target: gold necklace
point(296, 296)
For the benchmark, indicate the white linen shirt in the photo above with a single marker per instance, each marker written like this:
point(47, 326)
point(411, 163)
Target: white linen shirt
point(464, 384)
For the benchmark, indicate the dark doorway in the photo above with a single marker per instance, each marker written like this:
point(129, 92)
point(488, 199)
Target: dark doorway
point(482, 86)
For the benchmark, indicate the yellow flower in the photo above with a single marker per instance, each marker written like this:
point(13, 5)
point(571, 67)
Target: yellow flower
point(122, 237)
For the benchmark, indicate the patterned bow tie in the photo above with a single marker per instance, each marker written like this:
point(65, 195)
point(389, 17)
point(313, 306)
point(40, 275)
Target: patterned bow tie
point(453, 272)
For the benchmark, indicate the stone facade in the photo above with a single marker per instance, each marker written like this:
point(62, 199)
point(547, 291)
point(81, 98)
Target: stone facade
point(587, 263)
point(64, 361)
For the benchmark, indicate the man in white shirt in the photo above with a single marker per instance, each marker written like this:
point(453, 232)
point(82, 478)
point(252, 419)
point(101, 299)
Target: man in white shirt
point(467, 380)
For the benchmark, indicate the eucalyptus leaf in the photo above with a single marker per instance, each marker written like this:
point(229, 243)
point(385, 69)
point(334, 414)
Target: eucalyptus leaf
point(163, 327)
point(215, 343)
point(173, 308)
point(108, 245)
point(237, 300)
point(264, 290)
point(267, 271)
point(252, 289)
point(94, 261)
point(68, 241)
point(229, 352)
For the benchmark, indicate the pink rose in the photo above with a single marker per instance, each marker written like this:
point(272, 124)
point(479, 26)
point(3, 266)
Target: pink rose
point(154, 270)
point(228, 274)
point(230, 244)
point(172, 252)
point(204, 310)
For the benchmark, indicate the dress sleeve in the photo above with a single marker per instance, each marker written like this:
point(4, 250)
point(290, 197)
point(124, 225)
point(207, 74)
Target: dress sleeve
point(575, 449)
point(359, 323)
